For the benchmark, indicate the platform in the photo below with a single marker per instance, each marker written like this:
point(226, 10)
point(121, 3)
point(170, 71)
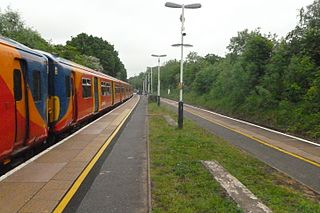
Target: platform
point(44, 182)
point(119, 181)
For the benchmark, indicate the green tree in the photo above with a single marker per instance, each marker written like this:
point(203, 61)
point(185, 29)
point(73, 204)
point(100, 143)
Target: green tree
point(136, 81)
point(12, 26)
point(305, 37)
point(101, 49)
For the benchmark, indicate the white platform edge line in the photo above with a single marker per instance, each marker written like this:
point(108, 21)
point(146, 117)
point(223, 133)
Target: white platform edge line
point(254, 125)
point(230, 187)
point(54, 146)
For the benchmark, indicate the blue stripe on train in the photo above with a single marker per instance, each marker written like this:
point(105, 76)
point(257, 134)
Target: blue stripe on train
point(37, 79)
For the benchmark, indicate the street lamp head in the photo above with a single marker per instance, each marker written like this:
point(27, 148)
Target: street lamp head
point(173, 5)
point(192, 6)
point(188, 6)
point(185, 45)
point(158, 55)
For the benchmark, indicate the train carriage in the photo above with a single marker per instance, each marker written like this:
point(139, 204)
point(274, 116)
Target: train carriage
point(106, 93)
point(23, 97)
point(61, 99)
point(81, 93)
point(117, 92)
point(42, 95)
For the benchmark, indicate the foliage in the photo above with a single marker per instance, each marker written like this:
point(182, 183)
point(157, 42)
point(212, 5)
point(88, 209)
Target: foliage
point(84, 49)
point(102, 50)
point(12, 26)
point(274, 82)
point(137, 81)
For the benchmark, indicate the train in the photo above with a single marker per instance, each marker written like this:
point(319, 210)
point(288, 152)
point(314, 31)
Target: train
point(42, 95)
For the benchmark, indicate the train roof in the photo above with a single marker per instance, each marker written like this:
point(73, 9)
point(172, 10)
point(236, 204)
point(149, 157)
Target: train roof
point(19, 46)
point(75, 65)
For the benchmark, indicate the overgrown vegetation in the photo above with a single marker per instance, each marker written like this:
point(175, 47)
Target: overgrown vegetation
point(274, 82)
point(181, 184)
point(87, 50)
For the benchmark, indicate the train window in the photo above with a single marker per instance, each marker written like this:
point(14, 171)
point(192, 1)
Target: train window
point(103, 88)
point(36, 78)
point(108, 88)
point(67, 82)
point(86, 87)
point(17, 85)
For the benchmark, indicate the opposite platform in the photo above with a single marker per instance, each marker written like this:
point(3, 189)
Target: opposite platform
point(40, 185)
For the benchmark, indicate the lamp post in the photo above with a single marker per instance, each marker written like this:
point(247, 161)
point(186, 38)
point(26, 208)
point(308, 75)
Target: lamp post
point(158, 92)
point(180, 105)
point(149, 79)
point(182, 19)
point(143, 82)
point(148, 82)
point(151, 83)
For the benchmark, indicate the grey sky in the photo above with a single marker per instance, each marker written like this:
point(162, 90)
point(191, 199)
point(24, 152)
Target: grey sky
point(140, 28)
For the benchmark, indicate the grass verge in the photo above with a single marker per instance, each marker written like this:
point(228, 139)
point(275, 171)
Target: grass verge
point(181, 184)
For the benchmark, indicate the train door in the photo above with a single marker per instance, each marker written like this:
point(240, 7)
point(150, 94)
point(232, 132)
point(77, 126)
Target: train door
point(20, 98)
point(121, 93)
point(96, 95)
point(112, 93)
point(73, 97)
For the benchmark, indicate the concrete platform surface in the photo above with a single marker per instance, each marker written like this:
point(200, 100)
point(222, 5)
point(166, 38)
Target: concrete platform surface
point(41, 184)
point(119, 182)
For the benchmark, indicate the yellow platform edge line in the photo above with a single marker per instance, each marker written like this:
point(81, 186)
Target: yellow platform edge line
point(71, 192)
point(261, 141)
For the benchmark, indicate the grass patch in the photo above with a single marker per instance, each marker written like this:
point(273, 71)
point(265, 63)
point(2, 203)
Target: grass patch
point(181, 184)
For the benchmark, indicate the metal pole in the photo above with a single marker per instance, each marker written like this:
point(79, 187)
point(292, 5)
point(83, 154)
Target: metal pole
point(149, 79)
point(146, 80)
point(158, 98)
point(146, 86)
point(143, 86)
point(151, 82)
point(180, 106)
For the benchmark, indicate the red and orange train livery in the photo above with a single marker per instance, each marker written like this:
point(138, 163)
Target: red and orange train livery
point(42, 95)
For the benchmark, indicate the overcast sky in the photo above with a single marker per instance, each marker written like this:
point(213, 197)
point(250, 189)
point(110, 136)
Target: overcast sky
point(139, 28)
